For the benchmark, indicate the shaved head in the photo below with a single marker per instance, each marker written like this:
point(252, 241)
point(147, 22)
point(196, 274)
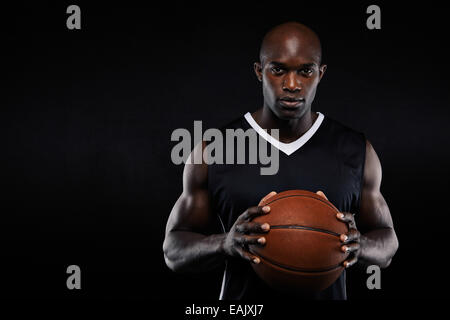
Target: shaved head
point(291, 38)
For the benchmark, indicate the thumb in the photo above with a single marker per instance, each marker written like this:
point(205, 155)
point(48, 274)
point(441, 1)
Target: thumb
point(320, 193)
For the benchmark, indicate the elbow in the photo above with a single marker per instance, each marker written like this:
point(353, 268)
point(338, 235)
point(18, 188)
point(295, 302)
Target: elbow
point(394, 249)
point(395, 243)
point(386, 264)
point(167, 253)
point(169, 256)
point(171, 264)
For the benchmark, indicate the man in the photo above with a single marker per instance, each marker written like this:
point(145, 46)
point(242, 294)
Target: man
point(318, 153)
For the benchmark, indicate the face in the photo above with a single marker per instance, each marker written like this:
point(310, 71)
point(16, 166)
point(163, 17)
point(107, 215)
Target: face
point(290, 76)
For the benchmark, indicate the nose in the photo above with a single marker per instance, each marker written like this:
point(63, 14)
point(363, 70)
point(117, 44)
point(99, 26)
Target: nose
point(291, 83)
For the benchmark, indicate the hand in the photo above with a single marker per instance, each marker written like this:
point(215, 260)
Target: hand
point(351, 240)
point(242, 233)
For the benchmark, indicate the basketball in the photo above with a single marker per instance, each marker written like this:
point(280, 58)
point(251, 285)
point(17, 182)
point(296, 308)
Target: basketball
point(303, 249)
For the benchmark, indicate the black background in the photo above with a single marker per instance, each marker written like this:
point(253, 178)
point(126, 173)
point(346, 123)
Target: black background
point(87, 115)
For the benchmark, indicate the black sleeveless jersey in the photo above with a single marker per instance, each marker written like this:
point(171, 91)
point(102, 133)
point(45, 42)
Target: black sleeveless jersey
point(328, 157)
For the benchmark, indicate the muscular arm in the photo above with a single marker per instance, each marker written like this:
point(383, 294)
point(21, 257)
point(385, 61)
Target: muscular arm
point(193, 242)
point(189, 245)
point(378, 239)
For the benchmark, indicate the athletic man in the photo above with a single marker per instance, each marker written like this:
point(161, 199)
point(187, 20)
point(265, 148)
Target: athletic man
point(317, 153)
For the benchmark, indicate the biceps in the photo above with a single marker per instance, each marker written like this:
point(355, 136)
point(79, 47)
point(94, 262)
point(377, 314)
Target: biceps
point(374, 212)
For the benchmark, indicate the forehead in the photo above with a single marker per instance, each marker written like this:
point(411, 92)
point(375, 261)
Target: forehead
point(292, 50)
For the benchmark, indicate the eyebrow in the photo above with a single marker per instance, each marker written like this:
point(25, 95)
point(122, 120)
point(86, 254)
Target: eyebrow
point(280, 64)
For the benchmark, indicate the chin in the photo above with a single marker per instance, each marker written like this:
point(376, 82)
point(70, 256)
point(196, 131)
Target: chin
point(284, 114)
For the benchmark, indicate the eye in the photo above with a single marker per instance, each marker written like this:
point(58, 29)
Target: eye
point(277, 70)
point(307, 71)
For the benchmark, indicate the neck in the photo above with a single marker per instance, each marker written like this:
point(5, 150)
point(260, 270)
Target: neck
point(289, 130)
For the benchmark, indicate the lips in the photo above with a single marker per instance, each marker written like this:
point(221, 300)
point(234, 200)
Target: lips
point(291, 103)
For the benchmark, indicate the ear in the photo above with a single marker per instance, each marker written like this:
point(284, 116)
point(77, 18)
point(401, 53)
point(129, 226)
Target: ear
point(258, 70)
point(322, 70)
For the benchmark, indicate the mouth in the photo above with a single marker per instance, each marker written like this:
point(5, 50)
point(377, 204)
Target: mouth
point(291, 103)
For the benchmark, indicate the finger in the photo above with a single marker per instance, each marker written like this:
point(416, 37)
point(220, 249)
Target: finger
point(351, 236)
point(254, 212)
point(252, 227)
point(248, 256)
point(245, 241)
point(351, 247)
point(350, 262)
point(320, 193)
point(263, 200)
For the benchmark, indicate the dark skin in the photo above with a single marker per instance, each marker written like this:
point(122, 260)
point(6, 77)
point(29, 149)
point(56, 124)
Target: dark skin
point(290, 70)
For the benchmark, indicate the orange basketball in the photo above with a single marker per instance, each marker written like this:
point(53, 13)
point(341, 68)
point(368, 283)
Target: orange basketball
point(303, 249)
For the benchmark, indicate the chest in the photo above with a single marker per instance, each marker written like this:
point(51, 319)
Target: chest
point(237, 187)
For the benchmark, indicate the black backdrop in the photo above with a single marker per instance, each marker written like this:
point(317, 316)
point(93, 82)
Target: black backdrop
point(87, 115)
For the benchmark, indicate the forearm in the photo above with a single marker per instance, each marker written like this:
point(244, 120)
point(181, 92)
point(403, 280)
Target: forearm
point(186, 251)
point(378, 247)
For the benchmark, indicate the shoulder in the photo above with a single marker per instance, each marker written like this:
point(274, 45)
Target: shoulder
point(196, 170)
point(339, 128)
point(195, 173)
point(345, 139)
point(236, 123)
point(372, 167)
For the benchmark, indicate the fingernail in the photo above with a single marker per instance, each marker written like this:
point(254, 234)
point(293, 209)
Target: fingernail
point(262, 240)
point(266, 208)
point(340, 215)
point(265, 226)
point(256, 260)
point(344, 248)
point(344, 237)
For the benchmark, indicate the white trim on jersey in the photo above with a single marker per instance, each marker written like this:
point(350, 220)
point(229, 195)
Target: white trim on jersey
point(287, 148)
